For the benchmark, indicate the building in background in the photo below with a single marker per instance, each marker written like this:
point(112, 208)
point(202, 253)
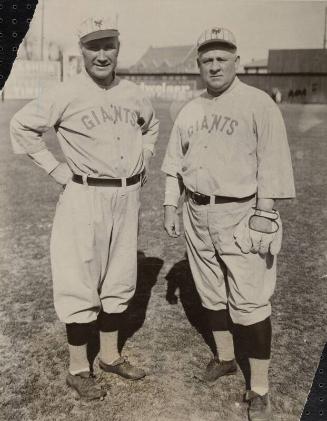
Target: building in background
point(177, 59)
point(169, 73)
point(304, 61)
point(296, 75)
point(293, 75)
point(300, 75)
point(256, 66)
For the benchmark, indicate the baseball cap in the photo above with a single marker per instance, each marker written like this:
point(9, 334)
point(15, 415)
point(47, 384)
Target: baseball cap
point(96, 28)
point(216, 35)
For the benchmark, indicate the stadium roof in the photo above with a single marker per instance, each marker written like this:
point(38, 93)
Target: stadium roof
point(182, 59)
point(166, 59)
point(298, 61)
point(257, 64)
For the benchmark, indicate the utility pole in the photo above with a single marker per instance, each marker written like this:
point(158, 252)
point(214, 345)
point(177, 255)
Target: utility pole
point(325, 30)
point(42, 30)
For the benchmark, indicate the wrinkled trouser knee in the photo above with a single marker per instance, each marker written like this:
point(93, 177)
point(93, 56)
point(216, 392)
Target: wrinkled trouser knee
point(94, 251)
point(224, 276)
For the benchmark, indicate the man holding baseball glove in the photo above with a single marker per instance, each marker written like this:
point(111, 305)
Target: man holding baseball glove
point(107, 130)
point(228, 151)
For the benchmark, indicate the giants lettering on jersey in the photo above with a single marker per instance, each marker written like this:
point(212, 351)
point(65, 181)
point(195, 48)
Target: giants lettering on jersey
point(113, 113)
point(213, 123)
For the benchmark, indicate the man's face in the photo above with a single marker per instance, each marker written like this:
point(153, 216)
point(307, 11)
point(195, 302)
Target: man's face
point(100, 57)
point(218, 65)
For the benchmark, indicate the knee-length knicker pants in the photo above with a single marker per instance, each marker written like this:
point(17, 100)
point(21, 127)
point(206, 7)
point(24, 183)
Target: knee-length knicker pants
point(94, 250)
point(224, 276)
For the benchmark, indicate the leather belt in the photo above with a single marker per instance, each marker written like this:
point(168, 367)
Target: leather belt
point(202, 199)
point(110, 182)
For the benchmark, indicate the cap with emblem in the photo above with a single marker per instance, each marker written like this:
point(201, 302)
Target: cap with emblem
point(216, 35)
point(96, 28)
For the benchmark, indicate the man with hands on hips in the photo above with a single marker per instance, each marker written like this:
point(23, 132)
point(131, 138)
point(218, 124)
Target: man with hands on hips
point(228, 151)
point(107, 129)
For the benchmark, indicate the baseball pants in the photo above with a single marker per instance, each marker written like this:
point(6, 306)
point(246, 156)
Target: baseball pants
point(224, 276)
point(94, 250)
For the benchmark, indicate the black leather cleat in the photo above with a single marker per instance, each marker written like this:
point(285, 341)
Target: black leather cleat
point(216, 369)
point(85, 386)
point(259, 407)
point(123, 368)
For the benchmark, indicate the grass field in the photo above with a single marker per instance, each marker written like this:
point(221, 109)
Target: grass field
point(169, 341)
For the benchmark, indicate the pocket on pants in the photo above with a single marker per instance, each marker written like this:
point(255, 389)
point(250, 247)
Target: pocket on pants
point(222, 227)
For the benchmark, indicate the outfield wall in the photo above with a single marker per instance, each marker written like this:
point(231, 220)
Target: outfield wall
point(28, 78)
point(166, 86)
point(297, 88)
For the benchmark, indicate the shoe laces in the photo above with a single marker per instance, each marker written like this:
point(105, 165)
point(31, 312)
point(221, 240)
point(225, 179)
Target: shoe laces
point(119, 361)
point(257, 401)
point(126, 362)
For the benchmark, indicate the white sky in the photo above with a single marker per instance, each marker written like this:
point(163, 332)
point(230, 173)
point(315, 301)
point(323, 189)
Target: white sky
point(259, 25)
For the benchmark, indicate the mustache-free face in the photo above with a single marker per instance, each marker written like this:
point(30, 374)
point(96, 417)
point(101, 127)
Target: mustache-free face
point(100, 57)
point(218, 68)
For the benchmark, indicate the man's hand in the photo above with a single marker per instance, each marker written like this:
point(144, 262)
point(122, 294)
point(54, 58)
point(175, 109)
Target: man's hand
point(259, 234)
point(62, 173)
point(171, 221)
point(266, 234)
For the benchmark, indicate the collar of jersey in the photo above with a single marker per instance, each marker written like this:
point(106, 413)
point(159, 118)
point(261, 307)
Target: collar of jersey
point(114, 82)
point(229, 89)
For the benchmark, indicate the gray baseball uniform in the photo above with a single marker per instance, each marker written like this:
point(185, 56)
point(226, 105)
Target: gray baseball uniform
point(94, 236)
point(233, 145)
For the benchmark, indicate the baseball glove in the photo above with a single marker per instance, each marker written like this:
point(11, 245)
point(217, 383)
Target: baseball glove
point(260, 232)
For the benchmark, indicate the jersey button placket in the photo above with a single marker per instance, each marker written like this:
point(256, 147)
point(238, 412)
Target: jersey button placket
point(202, 159)
point(198, 174)
point(123, 157)
point(122, 164)
point(120, 155)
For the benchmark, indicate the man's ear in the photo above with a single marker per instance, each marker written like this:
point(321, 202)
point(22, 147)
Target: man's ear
point(198, 62)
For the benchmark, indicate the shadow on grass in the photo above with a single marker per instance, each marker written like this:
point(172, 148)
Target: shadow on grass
point(148, 270)
point(180, 278)
point(134, 316)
